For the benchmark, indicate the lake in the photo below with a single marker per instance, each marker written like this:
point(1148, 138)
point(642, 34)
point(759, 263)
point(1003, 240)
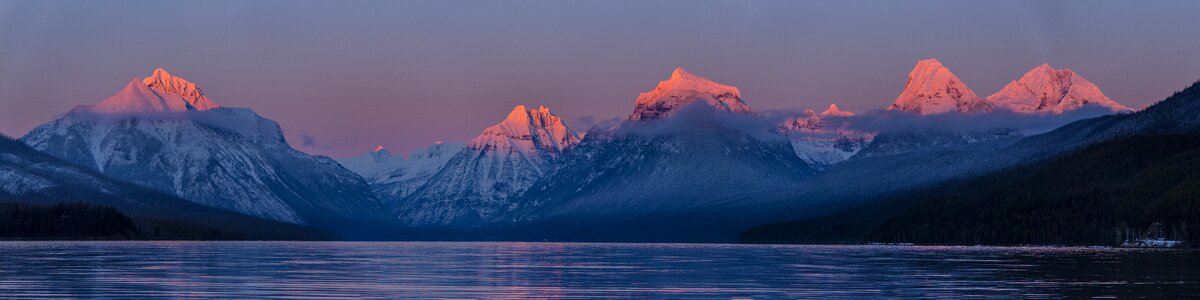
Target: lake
point(580, 270)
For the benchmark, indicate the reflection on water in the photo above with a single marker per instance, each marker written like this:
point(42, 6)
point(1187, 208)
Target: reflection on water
point(508, 270)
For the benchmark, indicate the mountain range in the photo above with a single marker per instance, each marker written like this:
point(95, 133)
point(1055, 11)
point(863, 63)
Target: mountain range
point(1096, 181)
point(163, 133)
point(693, 161)
point(932, 89)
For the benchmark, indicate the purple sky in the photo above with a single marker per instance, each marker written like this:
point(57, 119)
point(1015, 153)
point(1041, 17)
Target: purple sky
point(349, 75)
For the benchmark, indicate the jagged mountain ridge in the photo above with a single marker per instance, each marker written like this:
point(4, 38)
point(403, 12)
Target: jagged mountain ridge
point(164, 83)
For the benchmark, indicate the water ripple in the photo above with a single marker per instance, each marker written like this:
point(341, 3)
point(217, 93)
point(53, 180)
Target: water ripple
point(555, 270)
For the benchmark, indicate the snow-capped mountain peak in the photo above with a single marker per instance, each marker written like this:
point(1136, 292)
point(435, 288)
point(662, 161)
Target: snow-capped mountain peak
point(166, 84)
point(529, 131)
point(1046, 89)
point(932, 89)
point(834, 111)
point(161, 92)
point(684, 88)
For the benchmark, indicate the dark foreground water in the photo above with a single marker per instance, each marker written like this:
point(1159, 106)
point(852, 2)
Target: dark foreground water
point(540, 270)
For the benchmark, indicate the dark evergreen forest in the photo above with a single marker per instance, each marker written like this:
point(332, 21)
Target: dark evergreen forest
point(1099, 195)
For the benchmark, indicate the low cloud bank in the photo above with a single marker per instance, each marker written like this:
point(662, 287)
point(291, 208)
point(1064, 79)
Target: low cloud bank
point(239, 120)
point(888, 121)
point(765, 125)
point(701, 116)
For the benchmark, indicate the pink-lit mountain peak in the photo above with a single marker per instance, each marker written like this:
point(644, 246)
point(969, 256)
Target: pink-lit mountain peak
point(932, 89)
point(380, 154)
point(164, 83)
point(137, 98)
point(682, 89)
point(834, 111)
point(532, 131)
point(523, 116)
point(681, 79)
point(160, 92)
point(1045, 89)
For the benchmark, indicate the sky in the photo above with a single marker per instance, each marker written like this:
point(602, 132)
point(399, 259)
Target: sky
point(344, 76)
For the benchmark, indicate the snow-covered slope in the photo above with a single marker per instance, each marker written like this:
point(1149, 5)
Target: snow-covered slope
point(682, 89)
point(163, 133)
point(822, 140)
point(24, 171)
point(393, 177)
point(482, 180)
point(1048, 90)
point(611, 169)
point(135, 98)
point(684, 162)
point(933, 89)
point(32, 177)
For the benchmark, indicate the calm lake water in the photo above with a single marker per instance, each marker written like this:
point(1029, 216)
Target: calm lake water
point(540, 270)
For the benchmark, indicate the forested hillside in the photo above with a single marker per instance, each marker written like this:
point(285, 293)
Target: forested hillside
point(1099, 195)
point(64, 220)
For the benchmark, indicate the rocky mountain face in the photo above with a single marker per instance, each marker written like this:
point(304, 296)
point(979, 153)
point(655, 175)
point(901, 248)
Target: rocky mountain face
point(162, 132)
